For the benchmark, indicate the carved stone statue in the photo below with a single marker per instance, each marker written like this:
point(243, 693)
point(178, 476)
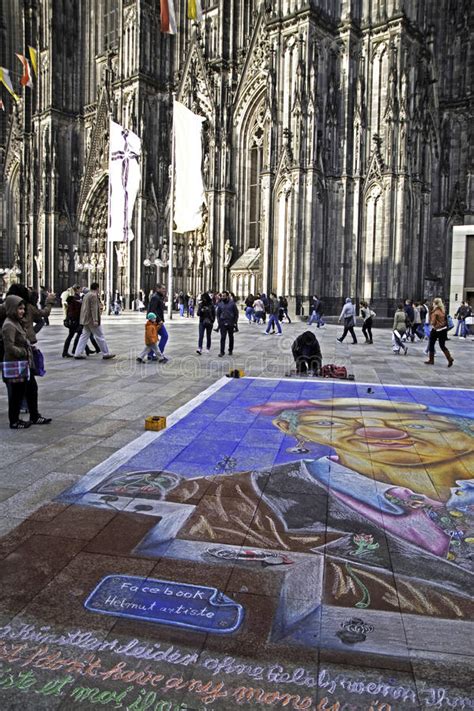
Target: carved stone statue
point(180, 255)
point(228, 250)
point(152, 253)
point(190, 253)
point(121, 252)
point(208, 254)
point(66, 260)
point(94, 260)
point(164, 253)
point(101, 262)
point(39, 259)
point(77, 260)
point(199, 255)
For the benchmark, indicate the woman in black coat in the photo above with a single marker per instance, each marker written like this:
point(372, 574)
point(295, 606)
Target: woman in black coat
point(307, 353)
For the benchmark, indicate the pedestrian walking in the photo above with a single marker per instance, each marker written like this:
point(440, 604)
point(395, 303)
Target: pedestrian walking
point(152, 327)
point(227, 317)
point(399, 330)
point(348, 316)
point(463, 312)
point(410, 312)
point(258, 310)
point(43, 298)
point(367, 315)
point(439, 332)
point(273, 311)
point(284, 309)
point(90, 319)
point(249, 308)
point(157, 306)
point(207, 315)
point(18, 366)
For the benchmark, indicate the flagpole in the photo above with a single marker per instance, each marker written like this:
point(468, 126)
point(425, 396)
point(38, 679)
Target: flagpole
point(171, 256)
point(108, 281)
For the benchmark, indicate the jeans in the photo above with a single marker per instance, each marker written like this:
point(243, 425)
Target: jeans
point(272, 319)
point(181, 310)
point(87, 332)
point(16, 393)
point(205, 328)
point(227, 329)
point(249, 312)
point(440, 336)
point(462, 328)
point(163, 339)
point(152, 348)
point(70, 336)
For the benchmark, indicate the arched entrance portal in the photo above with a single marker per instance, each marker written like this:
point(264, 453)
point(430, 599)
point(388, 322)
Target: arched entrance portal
point(90, 262)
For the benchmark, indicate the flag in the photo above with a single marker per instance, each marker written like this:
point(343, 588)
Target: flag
point(167, 17)
point(194, 10)
point(26, 79)
point(33, 57)
point(189, 187)
point(2, 105)
point(124, 179)
point(7, 82)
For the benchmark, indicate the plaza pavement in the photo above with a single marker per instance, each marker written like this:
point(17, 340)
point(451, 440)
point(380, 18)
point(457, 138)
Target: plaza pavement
point(99, 406)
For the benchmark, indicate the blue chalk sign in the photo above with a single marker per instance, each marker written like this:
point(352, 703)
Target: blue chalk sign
point(194, 607)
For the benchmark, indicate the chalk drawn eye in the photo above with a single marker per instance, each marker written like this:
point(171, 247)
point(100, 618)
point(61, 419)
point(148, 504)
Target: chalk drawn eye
point(325, 423)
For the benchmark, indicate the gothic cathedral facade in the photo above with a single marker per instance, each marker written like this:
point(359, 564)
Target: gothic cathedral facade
point(337, 144)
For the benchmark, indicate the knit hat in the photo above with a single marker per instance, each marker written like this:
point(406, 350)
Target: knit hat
point(151, 315)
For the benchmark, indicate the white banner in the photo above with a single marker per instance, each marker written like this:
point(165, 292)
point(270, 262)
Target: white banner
point(124, 180)
point(189, 187)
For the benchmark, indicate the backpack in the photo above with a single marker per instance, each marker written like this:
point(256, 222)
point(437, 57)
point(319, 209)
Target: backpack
point(334, 371)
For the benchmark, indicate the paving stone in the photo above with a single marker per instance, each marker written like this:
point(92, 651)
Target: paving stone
point(360, 620)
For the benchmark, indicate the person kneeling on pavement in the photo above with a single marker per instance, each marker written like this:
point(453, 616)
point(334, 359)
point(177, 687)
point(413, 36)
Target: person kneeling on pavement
point(307, 353)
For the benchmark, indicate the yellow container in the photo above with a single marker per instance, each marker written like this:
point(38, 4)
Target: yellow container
point(155, 423)
point(236, 373)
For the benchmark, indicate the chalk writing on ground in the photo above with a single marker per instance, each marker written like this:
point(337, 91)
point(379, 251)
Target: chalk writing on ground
point(195, 607)
point(90, 671)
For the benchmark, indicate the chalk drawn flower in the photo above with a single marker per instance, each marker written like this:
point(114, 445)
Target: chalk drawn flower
point(364, 543)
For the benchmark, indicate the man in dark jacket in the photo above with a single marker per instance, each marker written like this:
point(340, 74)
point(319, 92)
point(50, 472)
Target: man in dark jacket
point(227, 317)
point(307, 353)
point(157, 306)
point(274, 309)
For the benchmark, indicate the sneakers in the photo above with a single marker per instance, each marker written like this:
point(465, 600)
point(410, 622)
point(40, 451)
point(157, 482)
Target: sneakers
point(108, 356)
point(221, 355)
point(198, 351)
point(20, 425)
point(163, 359)
point(81, 357)
point(140, 360)
point(339, 339)
point(40, 420)
point(67, 355)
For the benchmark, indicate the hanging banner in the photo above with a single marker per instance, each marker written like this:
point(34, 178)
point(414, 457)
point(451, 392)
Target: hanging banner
point(189, 187)
point(124, 181)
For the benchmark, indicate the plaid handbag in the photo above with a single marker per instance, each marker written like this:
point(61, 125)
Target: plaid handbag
point(16, 371)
